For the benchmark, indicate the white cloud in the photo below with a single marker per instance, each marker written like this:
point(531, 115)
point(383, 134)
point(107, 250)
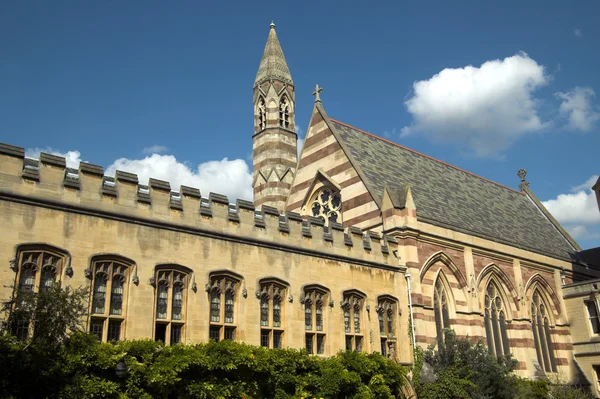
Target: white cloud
point(155, 149)
point(484, 109)
point(577, 32)
point(577, 210)
point(577, 107)
point(72, 157)
point(228, 177)
point(300, 142)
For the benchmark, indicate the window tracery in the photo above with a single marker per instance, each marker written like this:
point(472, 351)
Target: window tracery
point(352, 305)
point(171, 286)
point(314, 299)
point(284, 112)
point(109, 279)
point(386, 308)
point(271, 332)
point(38, 269)
point(542, 338)
point(262, 114)
point(222, 289)
point(326, 205)
point(440, 307)
point(495, 321)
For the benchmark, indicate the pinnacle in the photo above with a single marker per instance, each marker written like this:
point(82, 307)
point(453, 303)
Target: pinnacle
point(273, 64)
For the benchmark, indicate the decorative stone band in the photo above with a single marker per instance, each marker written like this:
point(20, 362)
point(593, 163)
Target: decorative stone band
point(49, 183)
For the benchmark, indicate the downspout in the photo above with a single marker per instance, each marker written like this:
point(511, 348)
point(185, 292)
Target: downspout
point(412, 320)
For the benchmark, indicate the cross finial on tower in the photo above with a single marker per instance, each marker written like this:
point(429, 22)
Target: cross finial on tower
point(316, 93)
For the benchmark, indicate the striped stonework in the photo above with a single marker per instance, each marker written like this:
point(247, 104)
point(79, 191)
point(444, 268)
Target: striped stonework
point(323, 162)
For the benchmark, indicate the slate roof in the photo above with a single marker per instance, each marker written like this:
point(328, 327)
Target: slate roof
point(449, 197)
point(272, 64)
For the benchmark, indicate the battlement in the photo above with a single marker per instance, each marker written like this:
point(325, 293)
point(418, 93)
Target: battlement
point(48, 182)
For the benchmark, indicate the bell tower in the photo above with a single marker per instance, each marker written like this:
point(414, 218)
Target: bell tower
point(274, 142)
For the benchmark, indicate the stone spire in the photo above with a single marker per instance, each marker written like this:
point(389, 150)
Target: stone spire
point(272, 63)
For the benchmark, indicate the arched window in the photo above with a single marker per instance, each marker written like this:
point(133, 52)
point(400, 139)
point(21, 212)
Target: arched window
point(38, 268)
point(495, 321)
point(109, 277)
point(326, 205)
point(262, 114)
point(540, 326)
point(386, 309)
point(270, 294)
point(440, 308)
point(171, 286)
point(352, 304)
point(284, 112)
point(222, 288)
point(313, 299)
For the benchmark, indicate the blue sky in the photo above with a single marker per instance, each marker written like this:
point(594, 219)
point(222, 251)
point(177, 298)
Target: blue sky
point(102, 81)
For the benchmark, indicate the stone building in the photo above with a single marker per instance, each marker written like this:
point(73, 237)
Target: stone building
point(325, 257)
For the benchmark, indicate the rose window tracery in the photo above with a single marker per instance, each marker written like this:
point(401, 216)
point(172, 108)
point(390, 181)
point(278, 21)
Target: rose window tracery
point(327, 206)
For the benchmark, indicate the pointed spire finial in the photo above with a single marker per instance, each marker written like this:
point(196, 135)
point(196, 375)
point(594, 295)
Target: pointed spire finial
point(272, 24)
point(317, 93)
point(272, 64)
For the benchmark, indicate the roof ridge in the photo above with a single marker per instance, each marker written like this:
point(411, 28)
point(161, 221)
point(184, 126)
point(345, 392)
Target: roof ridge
point(426, 156)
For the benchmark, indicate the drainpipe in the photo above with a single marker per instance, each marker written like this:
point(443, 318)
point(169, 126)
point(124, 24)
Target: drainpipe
point(412, 320)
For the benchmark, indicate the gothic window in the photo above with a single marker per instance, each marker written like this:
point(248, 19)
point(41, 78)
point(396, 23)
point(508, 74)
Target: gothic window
point(352, 304)
point(541, 333)
point(223, 291)
point(284, 112)
point(109, 282)
point(38, 269)
point(440, 308)
point(386, 309)
point(593, 316)
point(326, 205)
point(262, 114)
point(495, 321)
point(171, 283)
point(314, 298)
point(270, 295)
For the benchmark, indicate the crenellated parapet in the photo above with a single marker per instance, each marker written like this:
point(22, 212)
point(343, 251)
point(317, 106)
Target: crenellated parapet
point(48, 182)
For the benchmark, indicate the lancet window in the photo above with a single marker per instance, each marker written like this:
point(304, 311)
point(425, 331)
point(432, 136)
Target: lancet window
point(222, 290)
point(315, 300)
point(352, 305)
point(495, 321)
point(284, 112)
point(326, 205)
point(109, 286)
point(386, 311)
point(37, 270)
point(271, 296)
point(262, 114)
point(540, 326)
point(171, 282)
point(440, 308)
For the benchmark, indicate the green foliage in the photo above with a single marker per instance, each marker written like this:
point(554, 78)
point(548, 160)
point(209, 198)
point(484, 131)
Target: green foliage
point(463, 369)
point(211, 371)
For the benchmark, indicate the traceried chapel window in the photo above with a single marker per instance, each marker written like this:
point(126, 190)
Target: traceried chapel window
point(495, 321)
point(352, 306)
point(262, 114)
point(315, 300)
point(326, 205)
point(271, 296)
point(37, 271)
point(386, 308)
point(541, 334)
point(440, 308)
point(171, 287)
point(109, 278)
point(284, 112)
point(222, 292)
